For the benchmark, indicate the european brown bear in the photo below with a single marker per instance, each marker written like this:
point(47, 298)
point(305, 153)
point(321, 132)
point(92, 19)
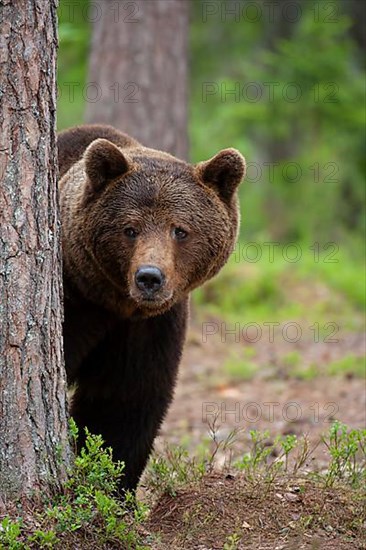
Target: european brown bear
point(141, 229)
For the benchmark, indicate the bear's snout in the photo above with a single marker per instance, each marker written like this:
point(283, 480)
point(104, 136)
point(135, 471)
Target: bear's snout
point(149, 279)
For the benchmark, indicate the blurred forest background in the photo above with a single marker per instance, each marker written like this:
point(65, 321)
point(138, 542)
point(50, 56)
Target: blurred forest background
point(286, 87)
point(274, 361)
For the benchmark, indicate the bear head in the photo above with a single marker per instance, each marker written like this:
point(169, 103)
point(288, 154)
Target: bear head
point(141, 229)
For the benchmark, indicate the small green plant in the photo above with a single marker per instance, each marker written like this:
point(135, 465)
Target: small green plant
point(349, 365)
point(258, 455)
point(94, 468)
point(267, 457)
point(307, 372)
point(166, 473)
point(249, 352)
point(9, 533)
point(89, 504)
point(91, 496)
point(74, 432)
point(288, 443)
point(295, 368)
point(220, 444)
point(291, 359)
point(237, 368)
point(45, 539)
point(232, 542)
point(347, 449)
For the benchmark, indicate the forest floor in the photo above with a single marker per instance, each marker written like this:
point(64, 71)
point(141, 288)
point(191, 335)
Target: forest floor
point(271, 393)
point(229, 513)
point(213, 406)
point(232, 383)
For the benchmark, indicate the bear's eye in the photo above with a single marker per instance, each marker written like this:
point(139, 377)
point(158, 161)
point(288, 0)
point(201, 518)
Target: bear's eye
point(130, 232)
point(179, 233)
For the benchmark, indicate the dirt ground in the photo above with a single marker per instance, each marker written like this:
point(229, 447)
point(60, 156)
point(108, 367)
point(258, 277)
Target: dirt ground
point(283, 516)
point(272, 399)
point(201, 517)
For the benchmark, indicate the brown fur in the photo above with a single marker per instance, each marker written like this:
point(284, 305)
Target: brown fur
point(112, 186)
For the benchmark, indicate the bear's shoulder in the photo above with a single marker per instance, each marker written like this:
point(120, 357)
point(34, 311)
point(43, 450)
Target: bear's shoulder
point(72, 143)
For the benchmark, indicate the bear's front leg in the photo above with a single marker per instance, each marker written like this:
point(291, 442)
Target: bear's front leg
point(129, 426)
point(125, 386)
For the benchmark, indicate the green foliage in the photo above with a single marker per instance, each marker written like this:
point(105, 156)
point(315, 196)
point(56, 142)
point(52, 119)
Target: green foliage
point(348, 365)
point(338, 265)
point(90, 495)
point(9, 534)
point(74, 37)
point(45, 539)
point(89, 504)
point(258, 461)
point(347, 449)
point(276, 290)
point(167, 473)
point(243, 290)
point(291, 359)
point(298, 97)
point(237, 368)
point(305, 372)
point(232, 542)
point(258, 454)
point(94, 468)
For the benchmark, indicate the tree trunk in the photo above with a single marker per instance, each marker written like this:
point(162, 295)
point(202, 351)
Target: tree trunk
point(34, 452)
point(138, 71)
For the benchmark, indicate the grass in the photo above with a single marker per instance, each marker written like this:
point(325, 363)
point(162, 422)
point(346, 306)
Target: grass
point(270, 495)
point(345, 446)
point(232, 542)
point(310, 290)
point(303, 310)
point(349, 365)
point(237, 368)
point(169, 472)
point(305, 372)
point(266, 460)
point(192, 501)
point(291, 359)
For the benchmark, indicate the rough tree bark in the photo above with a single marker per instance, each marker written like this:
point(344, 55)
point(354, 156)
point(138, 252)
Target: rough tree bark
point(138, 71)
point(34, 452)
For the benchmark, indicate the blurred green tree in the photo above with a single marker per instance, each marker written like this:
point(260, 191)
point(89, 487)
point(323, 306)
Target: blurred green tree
point(284, 83)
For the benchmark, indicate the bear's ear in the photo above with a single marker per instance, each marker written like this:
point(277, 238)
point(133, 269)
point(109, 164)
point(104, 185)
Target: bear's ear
point(104, 162)
point(223, 172)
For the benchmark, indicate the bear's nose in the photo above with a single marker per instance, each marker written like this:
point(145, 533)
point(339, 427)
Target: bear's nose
point(149, 279)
